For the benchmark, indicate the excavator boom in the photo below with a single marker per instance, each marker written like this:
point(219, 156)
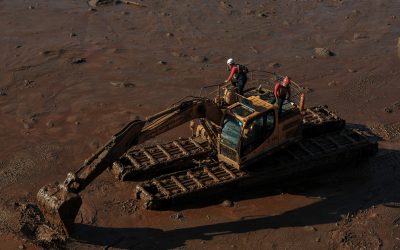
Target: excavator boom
point(60, 203)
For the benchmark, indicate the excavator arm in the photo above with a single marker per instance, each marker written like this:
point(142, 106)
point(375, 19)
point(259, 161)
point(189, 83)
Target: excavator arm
point(60, 203)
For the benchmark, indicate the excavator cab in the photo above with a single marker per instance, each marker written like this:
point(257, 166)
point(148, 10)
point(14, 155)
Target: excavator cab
point(251, 128)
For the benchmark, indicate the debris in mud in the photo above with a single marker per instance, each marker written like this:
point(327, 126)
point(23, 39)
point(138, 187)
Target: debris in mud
point(310, 228)
point(274, 65)
point(133, 3)
point(388, 110)
point(30, 219)
point(34, 228)
point(332, 83)
point(78, 60)
point(225, 6)
point(29, 83)
point(351, 70)
point(227, 203)
point(394, 107)
point(129, 206)
point(198, 58)
point(178, 216)
point(95, 3)
point(358, 36)
point(250, 12)
point(398, 47)
point(323, 52)
point(50, 124)
point(254, 50)
point(178, 54)
point(122, 84)
point(2, 93)
point(306, 90)
point(27, 125)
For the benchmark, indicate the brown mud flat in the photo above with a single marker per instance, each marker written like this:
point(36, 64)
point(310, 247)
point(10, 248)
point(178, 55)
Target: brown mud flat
point(71, 76)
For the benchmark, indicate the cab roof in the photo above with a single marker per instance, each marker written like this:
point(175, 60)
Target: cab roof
point(249, 106)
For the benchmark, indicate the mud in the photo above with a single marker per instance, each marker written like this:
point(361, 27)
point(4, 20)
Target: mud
point(54, 114)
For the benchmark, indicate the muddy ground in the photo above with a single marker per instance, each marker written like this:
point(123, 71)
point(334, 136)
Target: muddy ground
point(71, 76)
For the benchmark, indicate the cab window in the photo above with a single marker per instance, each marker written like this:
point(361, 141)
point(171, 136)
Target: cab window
point(257, 131)
point(231, 129)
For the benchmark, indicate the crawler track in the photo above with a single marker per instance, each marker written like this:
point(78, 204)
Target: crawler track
point(320, 120)
point(313, 154)
point(146, 162)
point(151, 161)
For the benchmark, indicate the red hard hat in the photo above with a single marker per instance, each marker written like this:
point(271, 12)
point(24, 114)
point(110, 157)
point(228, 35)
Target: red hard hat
point(286, 80)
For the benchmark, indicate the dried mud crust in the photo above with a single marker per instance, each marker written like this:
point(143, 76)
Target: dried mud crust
point(27, 162)
point(26, 221)
point(389, 132)
point(355, 232)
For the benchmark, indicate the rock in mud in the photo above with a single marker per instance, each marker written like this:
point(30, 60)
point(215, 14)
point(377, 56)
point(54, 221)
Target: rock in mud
point(198, 59)
point(306, 90)
point(2, 93)
point(27, 125)
point(178, 54)
point(332, 83)
point(78, 60)
point(310, 228)
point(95, 3)
point(388, 110)
point(351, 70)
point(178, 216)
point(50, 124)
point(274, 65)
point(398, 47)
point(122, 84)
point(358, 36)
point(323, 52)
point(161, 62)
point(227, 203)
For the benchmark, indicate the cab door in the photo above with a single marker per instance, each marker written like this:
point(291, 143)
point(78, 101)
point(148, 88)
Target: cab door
point(259, 131)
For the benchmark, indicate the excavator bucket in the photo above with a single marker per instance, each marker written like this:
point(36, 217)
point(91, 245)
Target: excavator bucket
point(59, 207)
point(60, 203)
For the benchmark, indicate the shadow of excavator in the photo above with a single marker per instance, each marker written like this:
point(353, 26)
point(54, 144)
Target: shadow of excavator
point(346, 191)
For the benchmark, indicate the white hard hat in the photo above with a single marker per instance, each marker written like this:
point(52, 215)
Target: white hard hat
point(230, 61)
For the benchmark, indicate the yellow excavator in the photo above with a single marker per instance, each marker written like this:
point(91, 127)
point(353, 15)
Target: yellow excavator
point(233, 133)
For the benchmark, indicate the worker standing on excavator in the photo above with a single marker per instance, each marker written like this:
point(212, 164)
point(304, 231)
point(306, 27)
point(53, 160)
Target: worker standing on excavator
point(282, 92)
point(238, 75)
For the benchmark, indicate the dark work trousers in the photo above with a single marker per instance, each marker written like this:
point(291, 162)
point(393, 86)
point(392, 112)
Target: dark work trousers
point(280, 101)
point(240, 82)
